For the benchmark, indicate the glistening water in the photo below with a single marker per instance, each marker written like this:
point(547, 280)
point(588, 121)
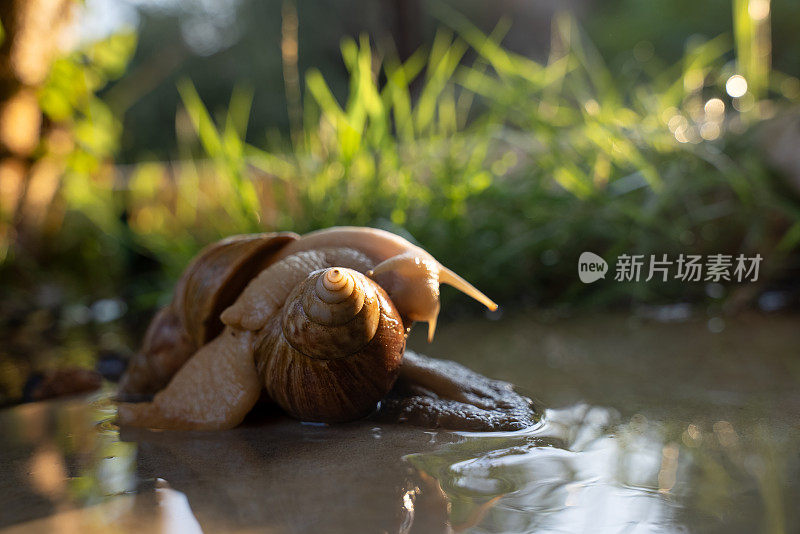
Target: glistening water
point(651, 427)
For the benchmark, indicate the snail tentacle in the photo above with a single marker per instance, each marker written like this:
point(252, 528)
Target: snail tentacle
point(446, 276)
point(416, 287)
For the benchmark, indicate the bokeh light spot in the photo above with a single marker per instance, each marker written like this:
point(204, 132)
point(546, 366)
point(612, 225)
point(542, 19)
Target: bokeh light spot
point(736, 86)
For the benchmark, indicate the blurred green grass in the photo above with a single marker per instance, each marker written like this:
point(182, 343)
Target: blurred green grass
point(503, 167)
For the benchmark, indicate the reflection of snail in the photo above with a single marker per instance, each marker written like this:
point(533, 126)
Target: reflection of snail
point(319, 321)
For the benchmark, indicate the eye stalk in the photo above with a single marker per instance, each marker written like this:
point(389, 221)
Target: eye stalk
point(414, 287)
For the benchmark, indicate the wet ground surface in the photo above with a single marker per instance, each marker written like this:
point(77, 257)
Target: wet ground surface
point(650, 427)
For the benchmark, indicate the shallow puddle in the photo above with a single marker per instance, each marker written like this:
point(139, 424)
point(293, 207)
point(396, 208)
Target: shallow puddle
point(654, 427)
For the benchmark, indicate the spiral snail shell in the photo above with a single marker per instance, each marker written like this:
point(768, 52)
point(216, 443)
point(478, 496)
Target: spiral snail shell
point(317, 321)
point(338, 351)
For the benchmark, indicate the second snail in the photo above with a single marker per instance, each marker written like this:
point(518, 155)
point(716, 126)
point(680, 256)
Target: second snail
point(317, 322)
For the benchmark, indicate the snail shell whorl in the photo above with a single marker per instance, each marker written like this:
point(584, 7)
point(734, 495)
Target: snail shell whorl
point(335, 350)
point(332, 314)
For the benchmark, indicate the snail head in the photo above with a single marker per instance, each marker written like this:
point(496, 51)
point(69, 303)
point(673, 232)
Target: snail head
point(412, 280)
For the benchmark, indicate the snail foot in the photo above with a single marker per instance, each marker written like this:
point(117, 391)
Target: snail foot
point(214, 390)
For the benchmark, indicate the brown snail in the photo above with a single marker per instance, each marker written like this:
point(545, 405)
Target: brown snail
point(317, 321)
point(335, 351)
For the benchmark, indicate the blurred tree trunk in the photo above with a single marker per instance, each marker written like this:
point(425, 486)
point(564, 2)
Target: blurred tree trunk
point(32, 29)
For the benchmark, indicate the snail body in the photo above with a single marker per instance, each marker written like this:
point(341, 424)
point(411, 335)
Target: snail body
point(317, 321)
point(213, 280)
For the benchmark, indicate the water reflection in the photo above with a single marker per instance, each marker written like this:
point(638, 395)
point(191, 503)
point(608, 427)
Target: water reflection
point(569, 475)
point(584, 470)
point(716, 452)
point(278, 474)
point(55, 461)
